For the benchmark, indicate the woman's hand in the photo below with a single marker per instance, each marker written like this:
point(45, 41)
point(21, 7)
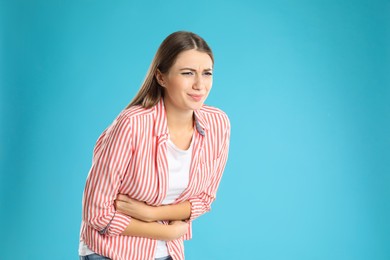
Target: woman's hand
point(180, 228)
point(134, 208)
point(156, 230)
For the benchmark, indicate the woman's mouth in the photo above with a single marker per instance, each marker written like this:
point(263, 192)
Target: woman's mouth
point(197, 98)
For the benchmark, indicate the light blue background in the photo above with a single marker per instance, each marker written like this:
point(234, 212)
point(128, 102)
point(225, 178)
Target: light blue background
point(306, 85)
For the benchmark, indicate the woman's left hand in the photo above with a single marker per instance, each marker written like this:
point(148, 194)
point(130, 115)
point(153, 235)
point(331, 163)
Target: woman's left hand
point(134, 208)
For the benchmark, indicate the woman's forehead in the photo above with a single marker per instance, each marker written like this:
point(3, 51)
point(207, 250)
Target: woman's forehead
point(193, 59)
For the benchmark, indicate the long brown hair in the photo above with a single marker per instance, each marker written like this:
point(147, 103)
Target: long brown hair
point(151, 92)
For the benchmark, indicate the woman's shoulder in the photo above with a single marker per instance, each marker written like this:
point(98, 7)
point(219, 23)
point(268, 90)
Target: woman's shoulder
point(214, 114)
point(206, 109)
point(135, 111)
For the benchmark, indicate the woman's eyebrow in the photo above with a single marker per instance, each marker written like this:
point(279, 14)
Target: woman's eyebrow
point(191, 69)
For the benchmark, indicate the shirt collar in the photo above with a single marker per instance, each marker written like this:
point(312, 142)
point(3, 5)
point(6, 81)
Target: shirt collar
point(161, 126)
point(200, 122)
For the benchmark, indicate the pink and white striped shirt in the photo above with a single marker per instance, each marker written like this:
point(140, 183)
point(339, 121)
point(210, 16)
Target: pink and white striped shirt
point(130, 158)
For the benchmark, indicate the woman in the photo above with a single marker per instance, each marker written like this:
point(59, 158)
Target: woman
point(158, 166)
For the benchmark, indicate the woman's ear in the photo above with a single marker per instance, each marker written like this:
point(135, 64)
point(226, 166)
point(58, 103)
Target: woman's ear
point(160, 78)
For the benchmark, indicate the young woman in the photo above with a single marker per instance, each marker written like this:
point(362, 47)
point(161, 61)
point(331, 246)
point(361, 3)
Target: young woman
point(159, 164)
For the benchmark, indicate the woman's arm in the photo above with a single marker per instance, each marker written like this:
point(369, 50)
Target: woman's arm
point(142, 211)
point(154, 230)
point(112, 154)
point(187, 210)
point(201, 203)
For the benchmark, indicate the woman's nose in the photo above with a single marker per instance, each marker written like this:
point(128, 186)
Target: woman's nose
point(198, 83)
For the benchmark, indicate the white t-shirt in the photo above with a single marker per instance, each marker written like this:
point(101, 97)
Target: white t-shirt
point(179, 162)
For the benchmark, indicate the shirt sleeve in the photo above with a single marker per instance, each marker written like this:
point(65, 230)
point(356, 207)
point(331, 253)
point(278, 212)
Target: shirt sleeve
point(111, 158)
point(201, 203)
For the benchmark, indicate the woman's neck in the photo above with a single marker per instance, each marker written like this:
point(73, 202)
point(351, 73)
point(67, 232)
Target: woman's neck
point(179, 121)
point(180, 125)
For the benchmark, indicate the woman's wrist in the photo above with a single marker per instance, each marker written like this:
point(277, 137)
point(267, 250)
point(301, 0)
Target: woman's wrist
point(151, 214)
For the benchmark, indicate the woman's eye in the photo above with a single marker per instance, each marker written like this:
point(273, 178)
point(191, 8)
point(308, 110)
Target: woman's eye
point(188, 73)
point(208, 73)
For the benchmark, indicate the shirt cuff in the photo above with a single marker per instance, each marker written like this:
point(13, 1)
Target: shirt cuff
point(117, 224)
point(198, 207)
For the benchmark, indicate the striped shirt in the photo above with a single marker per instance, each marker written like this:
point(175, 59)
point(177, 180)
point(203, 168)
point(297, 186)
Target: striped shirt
point(130, 157)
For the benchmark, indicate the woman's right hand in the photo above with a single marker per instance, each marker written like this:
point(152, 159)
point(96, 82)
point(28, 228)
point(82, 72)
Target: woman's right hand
point(156, 230)
point(179, 228)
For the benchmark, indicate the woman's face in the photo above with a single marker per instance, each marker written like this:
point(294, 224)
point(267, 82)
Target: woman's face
point(188, 82)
